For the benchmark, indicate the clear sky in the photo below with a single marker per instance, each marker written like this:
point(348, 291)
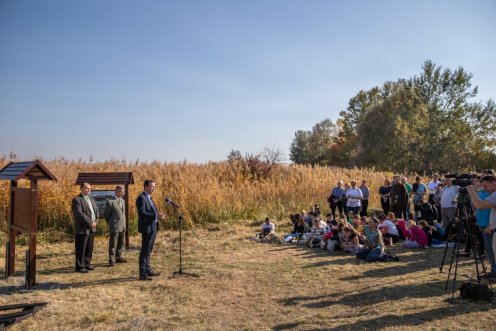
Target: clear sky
point(174, 80)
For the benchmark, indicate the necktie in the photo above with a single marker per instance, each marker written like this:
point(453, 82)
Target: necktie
point(154, 209)
point(93, 217)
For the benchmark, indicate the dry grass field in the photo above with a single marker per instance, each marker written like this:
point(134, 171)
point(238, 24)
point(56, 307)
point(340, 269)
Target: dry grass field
point(208, 193)
point(244, 285)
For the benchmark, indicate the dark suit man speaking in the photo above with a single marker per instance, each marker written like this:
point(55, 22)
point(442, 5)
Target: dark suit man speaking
point(148, 216)
point(85, 214)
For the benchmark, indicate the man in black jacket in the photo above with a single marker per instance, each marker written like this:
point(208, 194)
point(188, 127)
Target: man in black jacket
point(85, 214)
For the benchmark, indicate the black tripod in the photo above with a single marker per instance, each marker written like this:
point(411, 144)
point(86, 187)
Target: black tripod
point(180, 225)
point(460, 225)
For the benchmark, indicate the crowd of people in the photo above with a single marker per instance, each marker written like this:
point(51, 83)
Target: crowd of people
point(419, 215)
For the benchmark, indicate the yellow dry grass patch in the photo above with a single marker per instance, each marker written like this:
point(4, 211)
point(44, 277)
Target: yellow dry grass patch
point(245, 285)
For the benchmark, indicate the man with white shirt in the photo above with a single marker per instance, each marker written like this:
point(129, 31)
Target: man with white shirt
point(449, 197)
point(354, 198)
point(148, 216)
point(433, 184)
point(115, 215)
point(85, 214)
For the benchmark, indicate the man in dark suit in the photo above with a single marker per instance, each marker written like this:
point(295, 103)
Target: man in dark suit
point(85, 214)
point(115, 215)
point(148, 216)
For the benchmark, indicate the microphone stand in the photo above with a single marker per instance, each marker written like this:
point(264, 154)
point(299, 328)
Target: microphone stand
point(181, 220)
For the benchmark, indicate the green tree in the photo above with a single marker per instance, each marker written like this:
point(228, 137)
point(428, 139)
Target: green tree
point(425, 124)
point(313, 146)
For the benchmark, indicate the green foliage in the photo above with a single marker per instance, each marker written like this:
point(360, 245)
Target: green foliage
point(313, 146)
point(424, 124)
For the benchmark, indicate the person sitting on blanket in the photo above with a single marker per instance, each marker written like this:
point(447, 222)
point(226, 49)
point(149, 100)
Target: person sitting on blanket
point(373, 249)
point(268, 230)
point(317, 234)
point(349, 241)
point(299, 226)
point(388, 230)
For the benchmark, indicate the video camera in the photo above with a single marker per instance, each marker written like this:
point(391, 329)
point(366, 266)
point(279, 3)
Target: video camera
point(462, 180)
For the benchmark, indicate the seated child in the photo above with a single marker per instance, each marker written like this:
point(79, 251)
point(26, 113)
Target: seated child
point(417, 237)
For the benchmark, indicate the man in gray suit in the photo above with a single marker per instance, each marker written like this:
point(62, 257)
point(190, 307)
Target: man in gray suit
point(115, 215)
point(85, 214)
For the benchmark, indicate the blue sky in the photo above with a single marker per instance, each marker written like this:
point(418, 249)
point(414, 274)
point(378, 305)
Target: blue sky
point(174, 80)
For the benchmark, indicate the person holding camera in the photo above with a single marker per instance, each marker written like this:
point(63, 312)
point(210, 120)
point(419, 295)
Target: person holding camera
point(488, 183)
point(427, 212)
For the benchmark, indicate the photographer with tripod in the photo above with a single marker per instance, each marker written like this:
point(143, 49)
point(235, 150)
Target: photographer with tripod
point(488, 183)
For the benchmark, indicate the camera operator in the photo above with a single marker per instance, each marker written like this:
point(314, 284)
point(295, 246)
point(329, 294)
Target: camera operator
point(485, 199)
point(427, 211)
point(449, 197)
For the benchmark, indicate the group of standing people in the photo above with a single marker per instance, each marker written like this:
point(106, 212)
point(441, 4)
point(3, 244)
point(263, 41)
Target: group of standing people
point(86, 216)
point(349, 197)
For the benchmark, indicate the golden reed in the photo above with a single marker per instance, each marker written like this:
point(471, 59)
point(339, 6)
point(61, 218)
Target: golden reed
point(210, 192)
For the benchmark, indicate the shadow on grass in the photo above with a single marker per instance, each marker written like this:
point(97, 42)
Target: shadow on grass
point(405, 320)
point(48, 286)
point(386, 296)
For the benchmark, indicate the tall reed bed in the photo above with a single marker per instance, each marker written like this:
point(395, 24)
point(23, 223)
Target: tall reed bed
point(210, 192)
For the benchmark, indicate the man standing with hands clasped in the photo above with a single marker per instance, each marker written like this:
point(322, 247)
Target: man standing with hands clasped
point(148, 216)
point(115, 215)
point(85, 214)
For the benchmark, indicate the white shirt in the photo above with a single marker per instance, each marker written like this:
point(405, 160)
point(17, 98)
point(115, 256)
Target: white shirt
point(449, 195)
point(354, 197)
point(153, 206)
point(88, 200)
point(391, 227)
point(432, 187)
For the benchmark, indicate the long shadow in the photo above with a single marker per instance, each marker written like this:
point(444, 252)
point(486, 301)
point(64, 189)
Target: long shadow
point(48, 286)
point(413, 319)
point(388, 295)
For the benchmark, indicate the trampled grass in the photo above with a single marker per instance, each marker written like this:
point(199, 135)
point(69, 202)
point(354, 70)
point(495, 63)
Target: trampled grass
point(245, 285)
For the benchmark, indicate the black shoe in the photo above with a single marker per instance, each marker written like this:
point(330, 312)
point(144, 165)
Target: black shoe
point(145, 278)
point(90, 267)
point(120, 260)
point(153, 274)
point(82, 270)
point(111, 263)
point(463, 254)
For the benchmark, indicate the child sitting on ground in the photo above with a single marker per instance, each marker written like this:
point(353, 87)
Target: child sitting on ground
point(417, 238)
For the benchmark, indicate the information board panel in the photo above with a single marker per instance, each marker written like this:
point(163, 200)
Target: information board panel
point(22, 208)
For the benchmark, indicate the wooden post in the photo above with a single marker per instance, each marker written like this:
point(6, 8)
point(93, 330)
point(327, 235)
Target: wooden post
point(27, 283)
point(126, 203)
point(12, 232)
point(32, 232)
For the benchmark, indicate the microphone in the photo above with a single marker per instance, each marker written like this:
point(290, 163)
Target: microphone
point(172, 203)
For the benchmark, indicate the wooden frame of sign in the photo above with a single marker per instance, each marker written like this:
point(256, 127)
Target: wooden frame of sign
point(23, 212)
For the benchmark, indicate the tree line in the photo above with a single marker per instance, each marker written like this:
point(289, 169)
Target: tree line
point(424, 124)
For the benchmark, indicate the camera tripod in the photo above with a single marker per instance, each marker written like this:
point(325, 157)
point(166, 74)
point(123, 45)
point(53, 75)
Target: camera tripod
point(458, 227)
